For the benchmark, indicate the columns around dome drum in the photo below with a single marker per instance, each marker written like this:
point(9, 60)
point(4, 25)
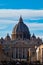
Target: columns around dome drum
point(13, 36)
point(17, 36)
point(20, 36)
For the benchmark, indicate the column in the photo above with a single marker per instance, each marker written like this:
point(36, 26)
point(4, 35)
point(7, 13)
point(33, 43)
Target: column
point(22, 52)
point(22, 35)
point(25, 53)
point(29, 54)
point(41, 55)
point(14, 54)
point(18, 53)
point(37, 53)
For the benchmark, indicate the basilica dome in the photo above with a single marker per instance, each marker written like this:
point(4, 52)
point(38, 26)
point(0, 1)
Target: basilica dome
point(20, 30)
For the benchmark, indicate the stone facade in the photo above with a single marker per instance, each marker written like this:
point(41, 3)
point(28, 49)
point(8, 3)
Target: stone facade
point(21, 45)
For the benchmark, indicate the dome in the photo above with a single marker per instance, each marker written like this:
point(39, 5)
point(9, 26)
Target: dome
point(21, 30)
point(7, 37)
point(33, 36)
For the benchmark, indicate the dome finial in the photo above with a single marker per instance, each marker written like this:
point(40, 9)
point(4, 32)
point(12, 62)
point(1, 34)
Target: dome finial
point(20, 19)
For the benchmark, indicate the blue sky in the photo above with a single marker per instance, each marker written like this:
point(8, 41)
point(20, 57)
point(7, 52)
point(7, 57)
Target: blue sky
point(21, 4)
point(31, 11)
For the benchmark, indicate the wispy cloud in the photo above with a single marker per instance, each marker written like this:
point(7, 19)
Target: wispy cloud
point(26, 14)
point(35, 26)
point(6, 21)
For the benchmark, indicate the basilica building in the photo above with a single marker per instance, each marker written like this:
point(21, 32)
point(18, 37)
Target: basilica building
point(21, 45)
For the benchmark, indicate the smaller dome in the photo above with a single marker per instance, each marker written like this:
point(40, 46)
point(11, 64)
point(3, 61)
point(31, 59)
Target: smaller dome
point(2, 40)
point(7, 37)
point(33, 36)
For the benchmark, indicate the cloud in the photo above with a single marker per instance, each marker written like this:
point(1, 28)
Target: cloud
point(6, 21)
point(25, 13)
point(35, 26)
point(31, 26)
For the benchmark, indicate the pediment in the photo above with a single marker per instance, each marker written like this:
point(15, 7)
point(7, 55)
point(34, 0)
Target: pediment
point(20, 44)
